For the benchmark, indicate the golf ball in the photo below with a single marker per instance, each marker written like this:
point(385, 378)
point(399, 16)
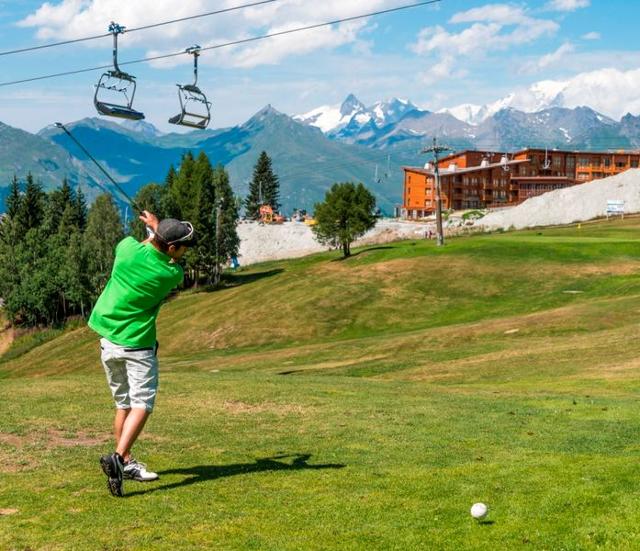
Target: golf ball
point(479, 511)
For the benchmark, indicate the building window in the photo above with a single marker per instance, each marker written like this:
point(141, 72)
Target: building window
point(571, 162)
point(621, 164)
point(634, 163)
point(607, 163)
point(583, 162)
point(557, 161)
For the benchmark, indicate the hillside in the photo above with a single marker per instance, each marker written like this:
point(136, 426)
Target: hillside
point(320, 300)
point(306, 161)
point(357, 404)
point(22, 152)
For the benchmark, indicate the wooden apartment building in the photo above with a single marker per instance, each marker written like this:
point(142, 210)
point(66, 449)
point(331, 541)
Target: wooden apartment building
point(485, 179)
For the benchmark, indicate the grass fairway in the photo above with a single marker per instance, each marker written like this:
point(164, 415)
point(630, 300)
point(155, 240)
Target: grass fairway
point(358, 404)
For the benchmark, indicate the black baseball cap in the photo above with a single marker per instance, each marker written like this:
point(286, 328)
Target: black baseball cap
point(173, 232)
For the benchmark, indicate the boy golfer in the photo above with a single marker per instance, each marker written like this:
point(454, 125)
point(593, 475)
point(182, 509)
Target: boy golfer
point(125, 317)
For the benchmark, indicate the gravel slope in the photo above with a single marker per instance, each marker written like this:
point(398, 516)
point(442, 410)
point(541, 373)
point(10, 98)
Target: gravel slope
point(259, 243)
point(565, 206)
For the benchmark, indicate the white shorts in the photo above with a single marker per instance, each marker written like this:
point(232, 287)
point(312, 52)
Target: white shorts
point(132, 374)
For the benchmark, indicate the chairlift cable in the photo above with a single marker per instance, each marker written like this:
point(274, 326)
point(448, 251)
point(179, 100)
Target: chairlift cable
point(226, 44)
point(144, 27)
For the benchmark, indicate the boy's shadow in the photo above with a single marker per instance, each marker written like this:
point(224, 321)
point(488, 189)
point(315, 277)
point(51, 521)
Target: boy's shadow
point(202, 473)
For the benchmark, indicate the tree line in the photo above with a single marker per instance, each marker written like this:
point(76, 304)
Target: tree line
point(56, 253)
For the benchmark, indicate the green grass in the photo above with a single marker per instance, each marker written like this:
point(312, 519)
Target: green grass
point(357, 404)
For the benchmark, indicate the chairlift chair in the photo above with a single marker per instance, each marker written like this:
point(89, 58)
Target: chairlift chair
point(116, 83)
point(195, 109)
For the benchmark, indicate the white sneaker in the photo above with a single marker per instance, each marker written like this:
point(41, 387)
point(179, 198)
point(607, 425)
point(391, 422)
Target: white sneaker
point(138, 471)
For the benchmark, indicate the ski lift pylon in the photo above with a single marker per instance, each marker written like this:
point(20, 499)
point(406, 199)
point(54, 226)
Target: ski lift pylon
point(195, 109)
point(118, 84)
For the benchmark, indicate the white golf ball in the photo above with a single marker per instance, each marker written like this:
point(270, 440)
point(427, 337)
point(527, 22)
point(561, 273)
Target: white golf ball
point(479, 511)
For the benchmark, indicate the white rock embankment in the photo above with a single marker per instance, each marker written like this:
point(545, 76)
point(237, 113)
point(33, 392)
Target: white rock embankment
point(565, 206)
point(259, 243)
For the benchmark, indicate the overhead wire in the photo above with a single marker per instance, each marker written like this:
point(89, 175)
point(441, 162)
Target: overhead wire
point(134, 29)
point(227, 44)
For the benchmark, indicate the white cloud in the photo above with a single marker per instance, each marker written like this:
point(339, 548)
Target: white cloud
point(70, 19)
point(591, 36)
point(609, 91)
point(504, 14)
point(494, 28)
point(445, 68)
point(568, 5)
point(549, 60)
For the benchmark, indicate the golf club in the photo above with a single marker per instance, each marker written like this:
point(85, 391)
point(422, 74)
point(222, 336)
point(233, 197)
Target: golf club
point(124, 193)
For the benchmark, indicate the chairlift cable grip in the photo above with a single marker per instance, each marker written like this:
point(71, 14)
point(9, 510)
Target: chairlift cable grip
point(115, 29)
point(195, 52)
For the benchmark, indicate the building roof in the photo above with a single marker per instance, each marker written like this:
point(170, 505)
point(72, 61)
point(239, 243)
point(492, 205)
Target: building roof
point(445, 172)
point(465, 151)
point(578, 151)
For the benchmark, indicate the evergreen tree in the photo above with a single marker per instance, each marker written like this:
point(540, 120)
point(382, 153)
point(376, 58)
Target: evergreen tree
point(264, 188)
point(182, 193)
point(76, 294)
point(80, 205)
point(58, 202)
point(226, 241)
point(152, 198)
point(32, 206)
point(15, 199)
point(346, 214)
point(104, 231)
point(201, 258)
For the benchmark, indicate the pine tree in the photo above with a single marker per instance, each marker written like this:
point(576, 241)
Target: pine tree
point(80, 205)
point(104, 231)
point(264, 188)
point(226, 241)
point(15, 199)
point(202, 257)
point(58, 202)
point(31, 212)
point(152, 198)
point(182, 194)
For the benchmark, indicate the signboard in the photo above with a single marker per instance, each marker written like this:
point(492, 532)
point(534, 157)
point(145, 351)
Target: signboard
point(615, 206)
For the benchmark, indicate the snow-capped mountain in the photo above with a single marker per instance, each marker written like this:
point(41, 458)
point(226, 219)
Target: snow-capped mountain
point(542, 95)
point(330, 117)
point(607, 91)
point(353, 115)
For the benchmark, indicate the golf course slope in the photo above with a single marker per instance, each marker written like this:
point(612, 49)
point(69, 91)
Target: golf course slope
point(365, 403)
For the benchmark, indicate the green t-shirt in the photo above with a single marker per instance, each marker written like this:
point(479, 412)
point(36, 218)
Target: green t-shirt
point(141, 279)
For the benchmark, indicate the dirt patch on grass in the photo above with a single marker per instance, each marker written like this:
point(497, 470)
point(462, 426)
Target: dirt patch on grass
point(6, 512)
point(236, 407)
point(53, 438)
point(60, 438)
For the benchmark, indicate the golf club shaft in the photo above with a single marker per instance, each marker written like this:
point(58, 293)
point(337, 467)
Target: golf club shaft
point(124, 193)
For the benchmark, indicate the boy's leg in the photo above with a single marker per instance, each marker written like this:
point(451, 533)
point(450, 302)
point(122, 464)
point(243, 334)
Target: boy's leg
point(133, 423)
point(115, 369)
point(142, 373)
point(118, 423)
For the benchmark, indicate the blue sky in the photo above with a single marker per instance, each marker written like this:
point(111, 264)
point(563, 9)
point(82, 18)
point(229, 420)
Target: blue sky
point(452, 53)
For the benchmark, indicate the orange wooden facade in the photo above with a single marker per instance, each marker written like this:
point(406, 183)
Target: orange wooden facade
point(482, 179)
